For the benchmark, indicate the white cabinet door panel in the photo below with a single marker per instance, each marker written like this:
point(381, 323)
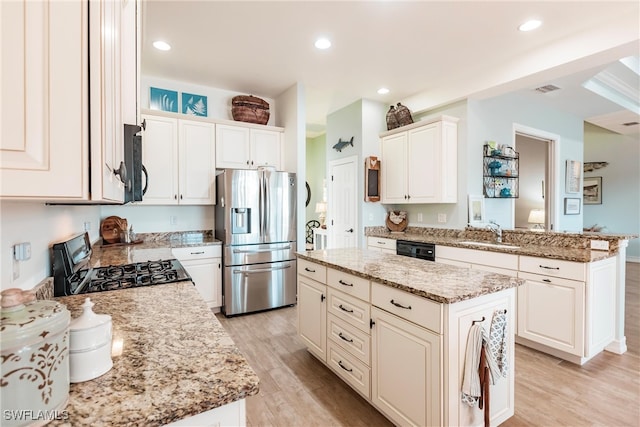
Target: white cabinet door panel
point(312, 316)
point(551, 312)
point(159, 156)
point(393, 169)
point(265, 148)
point(232, 147)
point(196, 154)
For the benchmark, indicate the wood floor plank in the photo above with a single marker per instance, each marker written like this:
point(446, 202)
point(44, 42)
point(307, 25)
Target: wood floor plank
point(298, 390)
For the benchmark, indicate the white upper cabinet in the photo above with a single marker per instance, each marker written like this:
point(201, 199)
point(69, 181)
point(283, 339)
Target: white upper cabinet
point(239, 147)
point(179, 157)
point(59, 59)
point(44, 94)
point(419, 163)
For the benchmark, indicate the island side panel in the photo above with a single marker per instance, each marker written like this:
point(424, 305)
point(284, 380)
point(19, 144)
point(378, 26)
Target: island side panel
point(458, 318)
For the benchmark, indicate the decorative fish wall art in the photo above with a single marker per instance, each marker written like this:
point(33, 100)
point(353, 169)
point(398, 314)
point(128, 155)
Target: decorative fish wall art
point(341, 144)
point(591, 166)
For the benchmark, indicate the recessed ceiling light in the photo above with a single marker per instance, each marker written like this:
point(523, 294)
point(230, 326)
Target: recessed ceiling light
point(383, 91)
point(531, 24)
point(323, 43)
point(160, 45)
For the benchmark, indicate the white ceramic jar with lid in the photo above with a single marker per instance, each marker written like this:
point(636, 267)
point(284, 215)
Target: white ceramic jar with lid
point(34, 337)
point(90, 349)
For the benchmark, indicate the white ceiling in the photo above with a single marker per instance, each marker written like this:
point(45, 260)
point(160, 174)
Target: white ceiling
point(427, 53)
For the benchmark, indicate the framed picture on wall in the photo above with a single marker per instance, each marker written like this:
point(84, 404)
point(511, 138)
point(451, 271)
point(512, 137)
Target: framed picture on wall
point(572, 178)
point(592, 190)
point(571, 206)
point(476, 211)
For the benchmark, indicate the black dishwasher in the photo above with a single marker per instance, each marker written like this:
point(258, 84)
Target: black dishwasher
point(426, 251)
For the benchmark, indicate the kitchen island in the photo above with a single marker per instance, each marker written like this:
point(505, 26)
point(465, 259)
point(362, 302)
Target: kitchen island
point(395, 329)
point(171, 360)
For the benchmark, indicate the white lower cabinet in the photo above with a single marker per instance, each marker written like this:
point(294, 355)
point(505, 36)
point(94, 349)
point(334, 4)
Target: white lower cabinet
point(312, 311)
point(567, 308)
point(402, 352)
point(551, 312)
point(406, 376)
point(204, 265)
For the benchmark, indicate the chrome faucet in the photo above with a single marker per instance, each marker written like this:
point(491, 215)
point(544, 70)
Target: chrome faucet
point(493, 226)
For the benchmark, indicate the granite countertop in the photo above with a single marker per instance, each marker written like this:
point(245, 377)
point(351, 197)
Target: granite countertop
point(438, 282)
point(545, 245)
point(153, 247)
point(171, 359)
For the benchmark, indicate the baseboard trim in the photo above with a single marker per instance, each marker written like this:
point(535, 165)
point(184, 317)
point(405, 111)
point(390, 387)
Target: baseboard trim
point(632, 258)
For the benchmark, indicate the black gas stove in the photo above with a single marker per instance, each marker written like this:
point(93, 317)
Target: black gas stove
point(72, 274)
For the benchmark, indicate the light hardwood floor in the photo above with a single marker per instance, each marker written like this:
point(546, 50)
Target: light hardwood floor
point(298, 390)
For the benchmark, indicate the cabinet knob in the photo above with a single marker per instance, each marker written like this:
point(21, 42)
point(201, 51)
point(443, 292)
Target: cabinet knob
point(175, 197)
point(181, 197)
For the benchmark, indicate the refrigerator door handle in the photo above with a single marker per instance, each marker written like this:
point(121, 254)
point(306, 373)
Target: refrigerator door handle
point(267, 202)
point(261, 203)
point(255, 251)
point(261, 270)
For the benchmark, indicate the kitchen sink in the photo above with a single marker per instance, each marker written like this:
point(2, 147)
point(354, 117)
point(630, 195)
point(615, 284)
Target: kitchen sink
point(491, 245)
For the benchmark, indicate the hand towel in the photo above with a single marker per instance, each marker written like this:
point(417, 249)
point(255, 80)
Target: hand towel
point(471, 379)
point(498, 344)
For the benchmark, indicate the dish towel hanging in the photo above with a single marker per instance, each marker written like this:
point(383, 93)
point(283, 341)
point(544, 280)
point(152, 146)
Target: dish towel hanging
point(471, 390)
point(498, 342)
point(486, 359)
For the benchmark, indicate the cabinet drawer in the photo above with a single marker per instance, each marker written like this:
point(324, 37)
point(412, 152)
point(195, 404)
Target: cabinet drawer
point(382, 243)
point(474, 256)
point(355, 341)
point(413, 308)
point(314, 271)
point(352, 310)
point(197, 252)
point(348, 283)
point(350, 369)
point(553, 267)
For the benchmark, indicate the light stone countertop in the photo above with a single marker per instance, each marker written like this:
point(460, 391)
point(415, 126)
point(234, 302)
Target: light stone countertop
point(154, 247)
point(562, 246)
point(176, 360)
point(438, 282)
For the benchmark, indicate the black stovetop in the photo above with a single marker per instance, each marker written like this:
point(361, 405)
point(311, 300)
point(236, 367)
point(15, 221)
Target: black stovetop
point(126, 276)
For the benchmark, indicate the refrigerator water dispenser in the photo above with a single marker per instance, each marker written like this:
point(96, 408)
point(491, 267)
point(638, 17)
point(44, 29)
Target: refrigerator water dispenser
point(241, 221)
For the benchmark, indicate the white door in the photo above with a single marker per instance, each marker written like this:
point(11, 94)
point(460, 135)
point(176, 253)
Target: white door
point(159, 156)
point(342, 209)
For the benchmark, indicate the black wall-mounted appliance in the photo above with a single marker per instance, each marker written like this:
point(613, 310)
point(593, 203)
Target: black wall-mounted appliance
point(134, 191)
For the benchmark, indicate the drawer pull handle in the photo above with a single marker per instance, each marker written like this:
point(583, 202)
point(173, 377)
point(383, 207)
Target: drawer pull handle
point(381, 243)
point(197, 253)
point(344, 283)
point(322, 297)
point(309, 270)
point(345, 309)
point(344, 367)
point(549, 268)
point(400, 305)
point(344, 338)
point(546, 280)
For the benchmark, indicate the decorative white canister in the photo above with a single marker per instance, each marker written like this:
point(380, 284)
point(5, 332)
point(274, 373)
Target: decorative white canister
point(34, 338)
point(90, 354)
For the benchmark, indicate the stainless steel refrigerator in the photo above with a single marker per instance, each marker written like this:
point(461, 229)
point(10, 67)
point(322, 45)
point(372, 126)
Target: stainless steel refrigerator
point(256, 222)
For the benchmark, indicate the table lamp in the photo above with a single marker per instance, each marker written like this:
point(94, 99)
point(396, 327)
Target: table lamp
point(536, 217)
point(321, 208)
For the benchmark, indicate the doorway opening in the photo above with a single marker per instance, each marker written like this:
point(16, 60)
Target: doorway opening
point(535, 208)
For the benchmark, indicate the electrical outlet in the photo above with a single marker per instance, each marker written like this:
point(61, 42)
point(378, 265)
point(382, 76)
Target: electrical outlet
point(442, 217)
point(173, 220)
point(420, 218)
point(602, 245)
point(87, 226)
point(370, 217)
